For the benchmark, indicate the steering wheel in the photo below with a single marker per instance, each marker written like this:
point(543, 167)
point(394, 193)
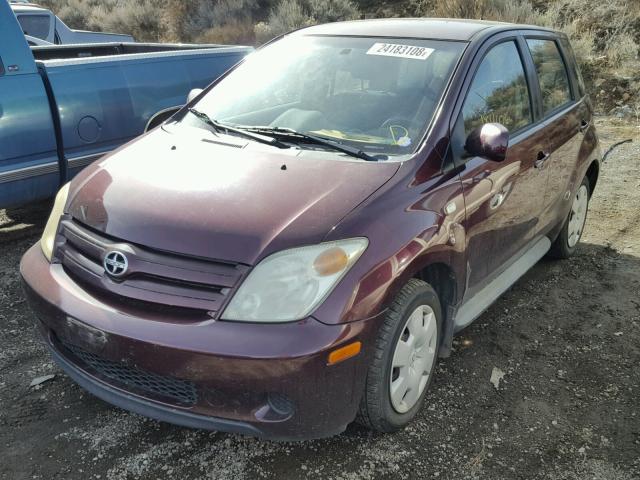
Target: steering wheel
point(395, 121)
point(395, 128)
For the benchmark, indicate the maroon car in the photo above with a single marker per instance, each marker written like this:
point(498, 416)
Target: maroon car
point(295, 247)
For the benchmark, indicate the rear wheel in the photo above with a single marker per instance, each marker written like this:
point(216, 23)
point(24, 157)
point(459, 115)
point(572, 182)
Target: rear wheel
point(571, 233)
point(404, 359)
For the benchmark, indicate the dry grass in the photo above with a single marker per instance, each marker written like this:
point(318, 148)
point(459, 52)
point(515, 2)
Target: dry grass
point(604, 35)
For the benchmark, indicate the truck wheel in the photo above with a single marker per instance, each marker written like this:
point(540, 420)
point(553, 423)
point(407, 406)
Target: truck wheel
point(567, 241)
point(405, 356)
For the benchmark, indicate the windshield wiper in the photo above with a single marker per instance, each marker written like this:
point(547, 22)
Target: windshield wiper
point(221, 127)
point(293, 135)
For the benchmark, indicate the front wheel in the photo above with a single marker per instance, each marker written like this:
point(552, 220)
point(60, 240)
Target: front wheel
point(571, 233)
point(405, 356)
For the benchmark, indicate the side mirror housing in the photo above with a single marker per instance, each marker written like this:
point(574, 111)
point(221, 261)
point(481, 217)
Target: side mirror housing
point(489, 141)
point(193, 94)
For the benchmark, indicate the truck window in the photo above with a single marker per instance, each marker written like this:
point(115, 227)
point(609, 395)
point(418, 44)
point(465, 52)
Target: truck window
point(35, 25)
point(552, 73)
point(499, 92)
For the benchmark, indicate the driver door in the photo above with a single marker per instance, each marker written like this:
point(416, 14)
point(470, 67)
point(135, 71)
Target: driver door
point(503, 200)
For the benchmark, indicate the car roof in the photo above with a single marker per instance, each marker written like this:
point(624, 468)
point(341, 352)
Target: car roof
point(432, 28)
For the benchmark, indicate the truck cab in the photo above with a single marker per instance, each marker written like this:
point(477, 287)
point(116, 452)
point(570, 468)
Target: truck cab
point(43, 24)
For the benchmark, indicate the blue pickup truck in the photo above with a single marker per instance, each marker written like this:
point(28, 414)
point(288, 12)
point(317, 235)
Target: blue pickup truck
point(62, 107)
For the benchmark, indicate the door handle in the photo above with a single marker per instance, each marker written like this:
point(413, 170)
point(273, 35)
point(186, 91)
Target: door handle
point(584, 125)
point(542, 157)
point(480, 176)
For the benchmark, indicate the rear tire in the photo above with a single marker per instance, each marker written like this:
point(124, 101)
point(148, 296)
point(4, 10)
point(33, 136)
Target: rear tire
point(571, 233)
point(404, 359)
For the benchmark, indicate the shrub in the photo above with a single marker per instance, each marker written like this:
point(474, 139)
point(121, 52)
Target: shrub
point(227, 14)
point(604, 35)
point(292, 14)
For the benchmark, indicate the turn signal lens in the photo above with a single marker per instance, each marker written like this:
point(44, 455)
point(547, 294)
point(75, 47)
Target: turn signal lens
point(343, 353)
point(51, 228)
point(331, 262)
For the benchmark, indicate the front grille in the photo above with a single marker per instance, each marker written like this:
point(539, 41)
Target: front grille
point(181, 391)
point(153, 277)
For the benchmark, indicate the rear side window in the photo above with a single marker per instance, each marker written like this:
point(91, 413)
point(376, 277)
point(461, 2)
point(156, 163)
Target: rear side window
point(552, 73)
point(568, 50)
point(35, 25)
point(499, 92)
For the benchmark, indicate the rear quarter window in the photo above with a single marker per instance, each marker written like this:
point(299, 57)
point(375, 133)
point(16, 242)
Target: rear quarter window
point(35, 25)
point(573, 66)
point(552, 73)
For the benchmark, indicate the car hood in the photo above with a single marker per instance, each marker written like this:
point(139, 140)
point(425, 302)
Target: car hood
point(220, 197)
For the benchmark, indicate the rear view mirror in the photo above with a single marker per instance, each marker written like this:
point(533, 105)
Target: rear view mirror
point(193, 94)
point(489, 141)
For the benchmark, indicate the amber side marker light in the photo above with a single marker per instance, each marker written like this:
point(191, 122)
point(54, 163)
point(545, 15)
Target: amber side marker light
point(344, 353)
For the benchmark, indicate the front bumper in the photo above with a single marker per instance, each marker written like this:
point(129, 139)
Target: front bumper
point(267, 380)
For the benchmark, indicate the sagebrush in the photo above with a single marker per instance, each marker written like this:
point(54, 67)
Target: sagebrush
point(605, 35)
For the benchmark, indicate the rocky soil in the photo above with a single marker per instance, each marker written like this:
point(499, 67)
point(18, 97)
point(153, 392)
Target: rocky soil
point(567, 337)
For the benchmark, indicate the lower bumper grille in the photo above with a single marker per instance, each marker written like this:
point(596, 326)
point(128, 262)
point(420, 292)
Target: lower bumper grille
point(180, 391)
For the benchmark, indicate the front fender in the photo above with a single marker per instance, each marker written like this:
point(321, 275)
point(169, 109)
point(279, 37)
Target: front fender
point(403, 240)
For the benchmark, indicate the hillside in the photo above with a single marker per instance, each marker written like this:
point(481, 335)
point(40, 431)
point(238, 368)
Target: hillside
point(605, 35)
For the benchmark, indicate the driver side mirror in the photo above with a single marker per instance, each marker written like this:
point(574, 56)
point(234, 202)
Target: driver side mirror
point(193, 94)
point(489, 141)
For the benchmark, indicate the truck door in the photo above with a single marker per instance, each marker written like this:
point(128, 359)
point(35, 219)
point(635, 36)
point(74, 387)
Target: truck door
point(503, 200)
point(28, 149)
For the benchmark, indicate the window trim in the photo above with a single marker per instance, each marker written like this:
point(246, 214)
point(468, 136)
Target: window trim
point(572, 94)
point(473, 71)
point(469, 75)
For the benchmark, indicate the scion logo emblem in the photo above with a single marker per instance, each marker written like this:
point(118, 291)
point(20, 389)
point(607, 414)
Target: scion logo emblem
point(115, 264)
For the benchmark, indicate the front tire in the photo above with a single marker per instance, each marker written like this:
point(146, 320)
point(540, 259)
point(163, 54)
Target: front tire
point(405, 356)
point(571, 233)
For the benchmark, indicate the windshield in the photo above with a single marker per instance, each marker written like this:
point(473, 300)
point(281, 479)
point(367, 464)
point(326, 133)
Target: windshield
point(376, 94)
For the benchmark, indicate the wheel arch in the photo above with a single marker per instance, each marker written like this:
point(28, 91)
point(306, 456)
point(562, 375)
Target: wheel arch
point(592, 174)
point(443, 279)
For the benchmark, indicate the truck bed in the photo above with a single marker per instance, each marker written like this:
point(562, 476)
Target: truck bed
point(110, 91)
point(65, 52)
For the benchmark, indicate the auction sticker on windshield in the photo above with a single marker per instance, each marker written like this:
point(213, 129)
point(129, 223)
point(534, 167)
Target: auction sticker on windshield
point(403, 51)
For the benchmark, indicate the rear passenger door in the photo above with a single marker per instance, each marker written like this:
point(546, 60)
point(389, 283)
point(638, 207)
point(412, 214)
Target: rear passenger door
point(503, 200)
point(565, 116)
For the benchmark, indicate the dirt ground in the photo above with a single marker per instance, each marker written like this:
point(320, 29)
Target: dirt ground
point(567, 336)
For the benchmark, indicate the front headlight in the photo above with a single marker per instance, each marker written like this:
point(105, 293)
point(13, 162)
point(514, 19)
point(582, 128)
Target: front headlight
point(288, 285)
point(50, 230)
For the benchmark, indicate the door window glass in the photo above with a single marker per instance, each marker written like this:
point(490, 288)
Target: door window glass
point(35, 25)
point(499, 91)
point(552, 74)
